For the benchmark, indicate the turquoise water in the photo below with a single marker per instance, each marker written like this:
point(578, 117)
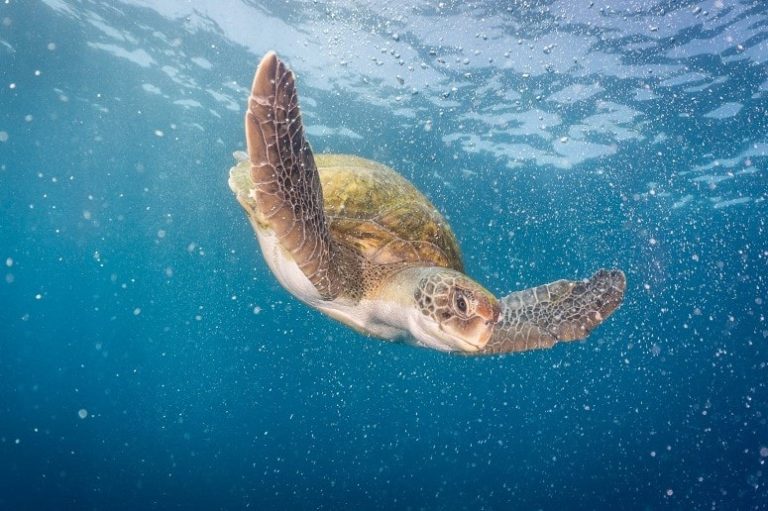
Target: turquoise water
point(150, 361)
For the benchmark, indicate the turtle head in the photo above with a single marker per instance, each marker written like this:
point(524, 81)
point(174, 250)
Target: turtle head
point(454, 311)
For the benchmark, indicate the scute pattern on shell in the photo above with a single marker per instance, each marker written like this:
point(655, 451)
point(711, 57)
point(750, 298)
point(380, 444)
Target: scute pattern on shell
point(382, 216)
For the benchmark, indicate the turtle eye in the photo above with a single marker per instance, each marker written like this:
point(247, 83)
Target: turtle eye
point(461, 303)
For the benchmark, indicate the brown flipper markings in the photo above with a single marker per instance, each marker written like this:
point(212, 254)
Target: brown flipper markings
point(564, 310)
point(287, 192)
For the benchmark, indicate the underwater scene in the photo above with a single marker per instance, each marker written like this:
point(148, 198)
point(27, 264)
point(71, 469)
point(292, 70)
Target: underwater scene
point(150, 359)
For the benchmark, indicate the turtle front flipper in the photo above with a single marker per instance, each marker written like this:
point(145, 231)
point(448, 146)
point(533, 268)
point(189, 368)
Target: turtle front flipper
point(564, 310)
point(286, 197)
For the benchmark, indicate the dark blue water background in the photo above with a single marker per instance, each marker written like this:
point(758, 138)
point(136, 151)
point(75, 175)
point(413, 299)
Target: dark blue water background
point(148, 360)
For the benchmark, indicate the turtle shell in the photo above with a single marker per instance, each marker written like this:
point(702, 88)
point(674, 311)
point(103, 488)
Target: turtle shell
point(378, 213)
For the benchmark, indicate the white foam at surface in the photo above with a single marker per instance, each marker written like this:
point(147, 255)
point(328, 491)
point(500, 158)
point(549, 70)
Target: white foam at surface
point(137, 56)
point(407, 113)
point(644, 94)
point(684, 78)
point(757, 53)
point(576, 92)
point(616, 18)
point(202, 62)
point(61, 7)
point(682, 201)
point(152, 89)
point(756, 149)
point(515, 154)
point(532, 123)
point(720, 204)
point(308, 101)
point(641, 45)
point(178, 77)
point(711, 178)
point(707, 85)
point(321, 130)
point(725, 111)
point(188, 103)
point(578, 151)
point(495, 91)
point(513, 123)
point(535, 122)
point(333, 48)
point(745, 28)
point(105, 28)
point(618, 121)
point(228, 102)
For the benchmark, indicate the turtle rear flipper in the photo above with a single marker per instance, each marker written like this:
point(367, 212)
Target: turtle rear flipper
point(287, 197)
point(560, 311)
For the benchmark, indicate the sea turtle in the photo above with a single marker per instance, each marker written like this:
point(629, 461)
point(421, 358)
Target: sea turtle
point(354, 239)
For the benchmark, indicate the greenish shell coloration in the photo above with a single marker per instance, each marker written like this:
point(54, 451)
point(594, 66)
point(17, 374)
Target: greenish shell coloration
point(357, 241)
point(377, 213)
point(384, 217)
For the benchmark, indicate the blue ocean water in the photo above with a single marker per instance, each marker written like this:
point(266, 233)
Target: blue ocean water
point(149, 360)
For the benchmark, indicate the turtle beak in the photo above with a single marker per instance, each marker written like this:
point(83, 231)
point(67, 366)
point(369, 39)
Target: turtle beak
point(468, 336)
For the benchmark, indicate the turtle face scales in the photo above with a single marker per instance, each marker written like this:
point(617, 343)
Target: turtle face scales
point(455, 310)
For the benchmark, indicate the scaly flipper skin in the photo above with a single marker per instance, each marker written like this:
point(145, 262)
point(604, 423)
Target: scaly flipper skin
point(564, 310)
point(287, 190)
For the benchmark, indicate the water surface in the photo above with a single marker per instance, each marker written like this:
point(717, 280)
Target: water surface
point(150, 361)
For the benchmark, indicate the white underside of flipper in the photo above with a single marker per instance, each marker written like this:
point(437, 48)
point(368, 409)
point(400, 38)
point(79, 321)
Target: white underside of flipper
point(285, 268)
